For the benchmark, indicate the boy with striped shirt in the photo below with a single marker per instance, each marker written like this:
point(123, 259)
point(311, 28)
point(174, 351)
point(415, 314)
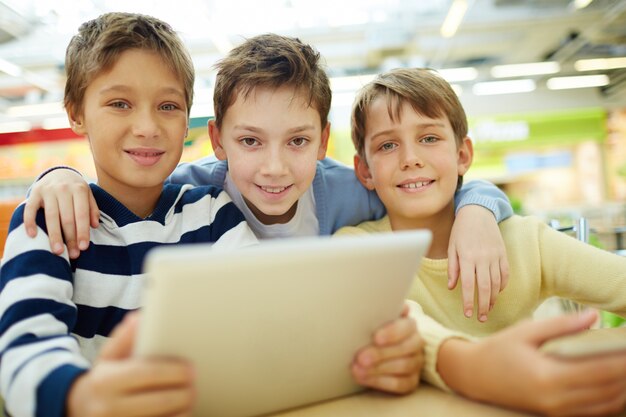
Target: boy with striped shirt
point(129, 90)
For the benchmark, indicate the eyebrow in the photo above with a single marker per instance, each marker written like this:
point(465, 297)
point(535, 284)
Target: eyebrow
point(420, 125)
point(125, 89)
point(293, 130)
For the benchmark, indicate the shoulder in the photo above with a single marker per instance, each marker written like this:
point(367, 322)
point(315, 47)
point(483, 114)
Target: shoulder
point(374, 226)
point(332, 175)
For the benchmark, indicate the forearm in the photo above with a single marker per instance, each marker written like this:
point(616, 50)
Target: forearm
point(39, 358)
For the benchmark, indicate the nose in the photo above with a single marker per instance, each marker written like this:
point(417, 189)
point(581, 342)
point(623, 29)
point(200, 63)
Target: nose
point(146, 124)
point(411, 158)
point(274, 164)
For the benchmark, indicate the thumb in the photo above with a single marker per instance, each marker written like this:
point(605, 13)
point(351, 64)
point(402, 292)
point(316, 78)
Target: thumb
point(120, 344)
point(539, 332)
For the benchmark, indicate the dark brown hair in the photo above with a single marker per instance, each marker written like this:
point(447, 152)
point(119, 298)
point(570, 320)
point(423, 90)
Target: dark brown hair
point(272, 61)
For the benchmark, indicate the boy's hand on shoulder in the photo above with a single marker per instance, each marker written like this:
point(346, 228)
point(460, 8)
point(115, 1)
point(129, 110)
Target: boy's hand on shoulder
point(69, 208)
point(477, 255)
point(121, 385)
point(394, 360)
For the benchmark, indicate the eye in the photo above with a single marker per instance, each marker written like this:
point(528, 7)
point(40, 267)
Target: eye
point(429, 139)
point(299, 142)
point(387, 146)
point(249, 141)
point(119, 105)
point(169, 107)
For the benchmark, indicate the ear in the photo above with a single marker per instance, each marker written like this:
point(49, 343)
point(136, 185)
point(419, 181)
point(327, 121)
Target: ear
point(321, 153)
point(76, 123)
point(216, 141)
point(362, 171)
point(465, 155)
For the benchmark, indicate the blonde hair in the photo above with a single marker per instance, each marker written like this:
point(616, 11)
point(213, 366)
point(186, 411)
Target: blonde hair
point(427, 92)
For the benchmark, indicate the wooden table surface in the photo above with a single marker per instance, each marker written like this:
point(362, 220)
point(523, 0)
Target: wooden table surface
point(426, 401)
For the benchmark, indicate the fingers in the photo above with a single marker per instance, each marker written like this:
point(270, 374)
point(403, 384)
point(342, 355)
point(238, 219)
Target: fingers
point(373, 355)
point(396, 331)
point(391, 383)
point(496, 282)
point(82, 213)
point(504, 272)
point(66, 215)
point(538, 332)
point(453, 268)
point(33, 203)
point(165, 402)
point(51, 211)
point(136, 375)
point(484, 290)
point(121, 341)
point(94, 213)
point(594, 371)
point(593, 399)
point(400, 366)
point(467, 287)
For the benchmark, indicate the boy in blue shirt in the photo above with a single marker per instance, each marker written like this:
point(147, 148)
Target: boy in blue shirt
point(129, 90)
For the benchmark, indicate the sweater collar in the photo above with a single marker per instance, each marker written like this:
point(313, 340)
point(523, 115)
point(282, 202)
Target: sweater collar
point(122, 216)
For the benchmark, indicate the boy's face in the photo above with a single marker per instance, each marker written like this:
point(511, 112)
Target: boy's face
point(272, 140)
point(135, 116)
point(412, 163)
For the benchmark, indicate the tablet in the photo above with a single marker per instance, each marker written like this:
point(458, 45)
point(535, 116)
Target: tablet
point(276, 325)
point(587, 343)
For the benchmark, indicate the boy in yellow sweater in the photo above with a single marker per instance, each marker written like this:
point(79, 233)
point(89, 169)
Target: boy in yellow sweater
point(410, 132)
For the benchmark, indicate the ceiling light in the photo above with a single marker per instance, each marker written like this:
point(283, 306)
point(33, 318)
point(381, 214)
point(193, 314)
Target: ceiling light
point(503, 87)
point(524, 70)
point(12, 127)
point(39, 109)
point(454, 18)
point(600, 64)
point(582, 81)
point(581, 4)
point(453, 75)
point(10, 68)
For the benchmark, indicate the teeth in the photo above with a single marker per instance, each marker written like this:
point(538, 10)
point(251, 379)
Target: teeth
point(274, 190)
point(145, 153)
point(415, 184)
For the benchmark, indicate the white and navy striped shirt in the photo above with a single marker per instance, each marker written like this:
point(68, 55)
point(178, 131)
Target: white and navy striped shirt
point(55, 313)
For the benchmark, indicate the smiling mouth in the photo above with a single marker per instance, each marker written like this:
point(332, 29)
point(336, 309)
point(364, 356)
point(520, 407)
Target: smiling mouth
point(145, 154)
point(417, 184)
point(273, 190)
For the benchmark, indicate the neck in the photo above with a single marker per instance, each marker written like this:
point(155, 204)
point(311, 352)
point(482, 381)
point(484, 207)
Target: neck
point(440, 225)
point(140, 201)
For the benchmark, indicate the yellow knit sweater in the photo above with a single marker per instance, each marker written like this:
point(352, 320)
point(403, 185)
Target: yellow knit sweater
point(543, 263)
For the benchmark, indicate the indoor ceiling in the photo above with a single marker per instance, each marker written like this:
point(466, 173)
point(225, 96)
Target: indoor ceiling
point(355, 37)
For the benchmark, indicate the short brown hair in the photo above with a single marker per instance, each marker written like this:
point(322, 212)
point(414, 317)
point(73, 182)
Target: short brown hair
point(100, 42)
point(273, 61)
point(427, 92)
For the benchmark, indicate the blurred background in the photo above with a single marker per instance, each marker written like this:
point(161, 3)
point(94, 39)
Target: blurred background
point(542, 81)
